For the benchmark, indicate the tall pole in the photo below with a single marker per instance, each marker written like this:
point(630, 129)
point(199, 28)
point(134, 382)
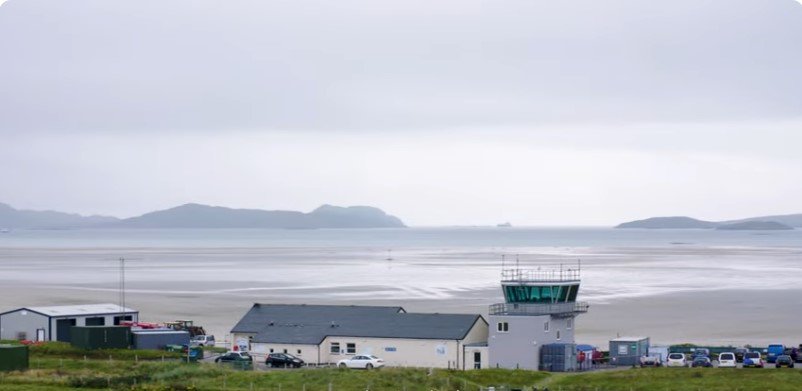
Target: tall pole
point(122, 284)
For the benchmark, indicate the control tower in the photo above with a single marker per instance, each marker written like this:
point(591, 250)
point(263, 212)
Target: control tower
point(539, 308)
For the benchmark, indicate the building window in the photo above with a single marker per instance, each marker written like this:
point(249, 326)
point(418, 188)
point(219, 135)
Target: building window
point(570, 323)
point(546, 326)
point(98, 321)
point(299, 351)
point(503, 327)
point(285, 351)
point(271, 350)
point(350, 348)
point(558, 335)
point(335, 348)
point(119, 319)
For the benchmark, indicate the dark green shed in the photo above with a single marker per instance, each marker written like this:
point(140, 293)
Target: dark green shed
point(100, 337)
point(13, 358)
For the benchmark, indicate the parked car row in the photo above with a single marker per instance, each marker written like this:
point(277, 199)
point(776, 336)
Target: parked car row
point(286, 360)
point(749, 359)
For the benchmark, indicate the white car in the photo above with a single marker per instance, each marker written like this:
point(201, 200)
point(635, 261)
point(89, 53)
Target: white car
point(676, 360)
point(364, 361)
point(202, 340)
point(727, 360)
point(753, 360)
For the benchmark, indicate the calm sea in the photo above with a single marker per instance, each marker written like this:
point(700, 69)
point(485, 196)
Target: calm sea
point(397, 238)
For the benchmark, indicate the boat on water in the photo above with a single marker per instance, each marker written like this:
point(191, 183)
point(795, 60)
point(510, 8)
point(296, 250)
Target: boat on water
point(504, 225)
point(4, 230)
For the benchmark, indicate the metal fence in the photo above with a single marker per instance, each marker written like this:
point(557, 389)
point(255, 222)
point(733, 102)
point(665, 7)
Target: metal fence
point(556, 309)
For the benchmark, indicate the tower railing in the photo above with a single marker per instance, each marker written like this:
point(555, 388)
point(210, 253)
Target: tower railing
point(549, 275)
point(555, 309)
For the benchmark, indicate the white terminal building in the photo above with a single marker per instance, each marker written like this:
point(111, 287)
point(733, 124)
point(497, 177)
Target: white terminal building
point(539, 309)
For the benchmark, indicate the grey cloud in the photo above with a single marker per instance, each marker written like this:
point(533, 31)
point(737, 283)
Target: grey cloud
point(233, 65)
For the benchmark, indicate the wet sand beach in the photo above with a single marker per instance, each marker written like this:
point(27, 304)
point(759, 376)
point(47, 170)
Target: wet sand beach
point(673, 294)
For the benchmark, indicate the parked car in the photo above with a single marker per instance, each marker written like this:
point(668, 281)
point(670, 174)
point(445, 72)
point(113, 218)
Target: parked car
point(701, 352)
point(202, 340)
point(651, 361)
point(234, 357)
point(283, 360)
point(364, 361)
point(701, 362)
point(739, 354)
point(753, 360)
point(727, 360)
point(773, 352)
point(676, 360)
point(794, 353)
point(784, 360)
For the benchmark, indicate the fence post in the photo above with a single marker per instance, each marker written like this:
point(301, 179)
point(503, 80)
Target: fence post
point(330, 388)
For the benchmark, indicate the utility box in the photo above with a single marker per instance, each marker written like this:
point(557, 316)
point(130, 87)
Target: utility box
point(100, 337)
point(13, 358)
point(159, 339)
point(558, 357)
point(628, 350)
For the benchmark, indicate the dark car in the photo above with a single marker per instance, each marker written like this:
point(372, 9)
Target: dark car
point(234, 357)
point(784, 360)
point(283, 360)
point(739, 354)
point(701, 362)
point(701, 352)
point(794, 353)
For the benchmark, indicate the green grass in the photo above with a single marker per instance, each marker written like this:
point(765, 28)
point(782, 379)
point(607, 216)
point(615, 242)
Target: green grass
point(59, 367)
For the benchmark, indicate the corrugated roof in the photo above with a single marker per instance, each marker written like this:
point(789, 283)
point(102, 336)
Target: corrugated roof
point(628, 339)
point(310, 324)
point(80, 310)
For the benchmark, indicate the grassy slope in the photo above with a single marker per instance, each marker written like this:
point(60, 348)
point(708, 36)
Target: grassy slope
point(58, 367)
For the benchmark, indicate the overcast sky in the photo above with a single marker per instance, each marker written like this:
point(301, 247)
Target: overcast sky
point(585, 112)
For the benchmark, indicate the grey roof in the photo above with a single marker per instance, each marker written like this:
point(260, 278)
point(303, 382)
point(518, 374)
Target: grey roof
point(311, 324)
point(77, 310)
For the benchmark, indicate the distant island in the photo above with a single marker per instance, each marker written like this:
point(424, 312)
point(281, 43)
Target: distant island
point(205, 216)
point(755, 226)
point(773, 223)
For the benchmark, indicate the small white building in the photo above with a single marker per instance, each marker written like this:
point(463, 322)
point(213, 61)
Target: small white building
point(54, 323)
point(325, 334)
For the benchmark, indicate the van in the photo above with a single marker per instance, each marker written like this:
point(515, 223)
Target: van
point(203, 340)
point(773, 352)
point(727, 360)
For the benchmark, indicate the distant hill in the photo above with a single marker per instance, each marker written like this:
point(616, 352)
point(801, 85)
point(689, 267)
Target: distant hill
point(754, 225)
point(676, 222)
point(16, 218)
point(794, 220)
point(779, 222)
point(205, 216)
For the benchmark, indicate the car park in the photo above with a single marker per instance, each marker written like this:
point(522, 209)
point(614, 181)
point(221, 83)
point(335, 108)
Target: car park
point(364, 361)
point(283, 360)
point(784, 360)
point(727, 360)
point(234, 357)
point(753, 360)
point(701, 362)
point(773, 352)
point(676, 360)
